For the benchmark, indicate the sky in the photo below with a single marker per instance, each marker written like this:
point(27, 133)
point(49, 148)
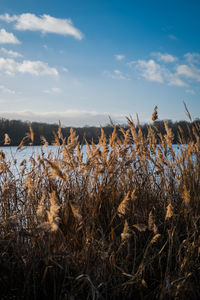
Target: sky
point(82, 61)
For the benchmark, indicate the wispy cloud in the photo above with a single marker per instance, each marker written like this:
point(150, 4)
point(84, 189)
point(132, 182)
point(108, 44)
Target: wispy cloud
point(53, 90)
point(9, 66)
point(10, 53)
point(116, 74)
point(190, 91)
point(172, 37)
point(119, 57)
point(165, 57)
point(56, 90)
point(190, 72)
point(150, 70)
point(8, 37)
point(65, 69)
point(192, 58)
point(174, 80)
point(45, 47)
point(6, 90)
point(44, 23)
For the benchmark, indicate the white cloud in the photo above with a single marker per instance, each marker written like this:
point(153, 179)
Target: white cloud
point(8, 66)
point(7, 37)
point(11, 67)
point(6, 90)
point(150, 70)
point(190, 72)
point(67, 118)
point(153, 71)
point(184, 70)
point(182, 75)
point(119, 56)
point(189, 91)
point(36, 68)
point(65, 70)
point(132, 63)
point(192, 58)
point(8, 18)
point(173, 79)
point(165, 57)
point(116, 74)
point(56, 90)
point(53, 90)
point(44, 23)
point(10, 53)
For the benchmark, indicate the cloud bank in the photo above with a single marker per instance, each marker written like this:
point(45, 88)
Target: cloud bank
point(67, 118)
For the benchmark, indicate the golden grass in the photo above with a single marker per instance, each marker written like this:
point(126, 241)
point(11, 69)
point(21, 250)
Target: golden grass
point(124, 222)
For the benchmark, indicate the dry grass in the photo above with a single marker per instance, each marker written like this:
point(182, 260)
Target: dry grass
point(124, 222)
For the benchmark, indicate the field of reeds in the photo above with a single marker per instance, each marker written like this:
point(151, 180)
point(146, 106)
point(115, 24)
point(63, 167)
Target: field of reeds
point(121, 223)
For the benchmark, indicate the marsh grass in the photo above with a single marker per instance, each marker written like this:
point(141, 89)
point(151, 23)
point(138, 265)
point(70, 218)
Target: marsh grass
point(124, 222)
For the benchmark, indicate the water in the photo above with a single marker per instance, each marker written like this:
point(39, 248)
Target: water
point(12, 153)
point(14, 158)
point(18, 156)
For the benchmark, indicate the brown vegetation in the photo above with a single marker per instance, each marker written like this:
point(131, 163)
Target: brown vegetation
point(124, 222)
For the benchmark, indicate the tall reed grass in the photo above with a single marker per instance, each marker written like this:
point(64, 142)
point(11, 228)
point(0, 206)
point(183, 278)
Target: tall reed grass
point(124, 222)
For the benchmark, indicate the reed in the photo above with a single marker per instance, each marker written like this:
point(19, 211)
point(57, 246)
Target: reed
point(122, 222)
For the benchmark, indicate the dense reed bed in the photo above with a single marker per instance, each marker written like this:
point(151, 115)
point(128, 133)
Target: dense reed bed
point(122, 222)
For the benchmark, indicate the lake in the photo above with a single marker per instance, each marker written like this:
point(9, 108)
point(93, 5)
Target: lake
point(25, 153)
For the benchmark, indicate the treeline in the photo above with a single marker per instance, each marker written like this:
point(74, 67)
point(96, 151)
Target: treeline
point(17, 130)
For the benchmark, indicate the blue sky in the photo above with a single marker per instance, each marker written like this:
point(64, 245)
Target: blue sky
point(80, 61)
